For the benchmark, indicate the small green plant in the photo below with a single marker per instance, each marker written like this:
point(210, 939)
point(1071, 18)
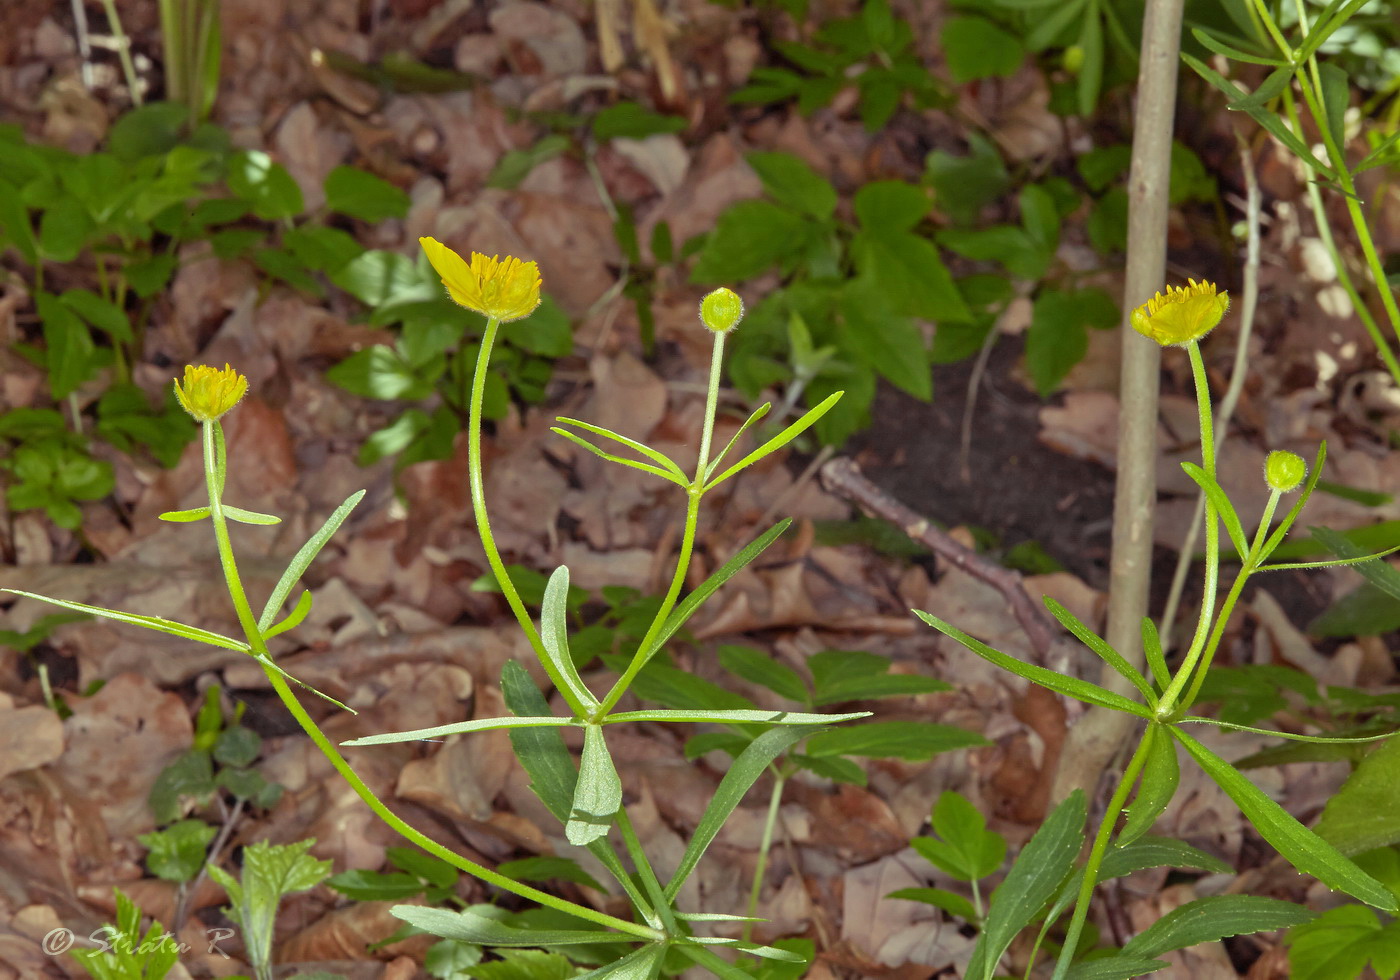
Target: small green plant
point(587, 798)
point(1180, 317)
point(126, 953)
point(872, 50)
point(269, 873)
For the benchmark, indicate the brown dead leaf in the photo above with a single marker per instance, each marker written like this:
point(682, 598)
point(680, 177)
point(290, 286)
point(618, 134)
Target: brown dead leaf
point(29, 737)
point(343, 934)
point(130, 720)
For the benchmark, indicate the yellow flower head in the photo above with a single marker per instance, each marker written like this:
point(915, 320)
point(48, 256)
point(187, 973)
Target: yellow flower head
point(506, 289)
point(1184, 314)
point(208, 392)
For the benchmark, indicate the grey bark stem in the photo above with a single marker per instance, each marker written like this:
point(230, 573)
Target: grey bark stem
point(1100, 733)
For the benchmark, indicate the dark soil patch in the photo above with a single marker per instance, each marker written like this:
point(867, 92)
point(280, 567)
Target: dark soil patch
point(1016, 487)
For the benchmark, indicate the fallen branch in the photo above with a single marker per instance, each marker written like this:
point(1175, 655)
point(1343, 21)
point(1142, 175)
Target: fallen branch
point(842, 476)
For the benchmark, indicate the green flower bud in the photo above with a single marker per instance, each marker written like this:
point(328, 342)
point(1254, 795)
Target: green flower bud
point(721, 310)
point(1283, 471)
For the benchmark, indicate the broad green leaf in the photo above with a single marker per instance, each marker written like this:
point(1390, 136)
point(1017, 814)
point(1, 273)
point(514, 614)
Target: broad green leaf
point(1379, 573)
point(967, 851)
point(890, 206)
point(270, 871)
point(808, 419)
point(598, 793)
point(1033, 880)
point(641, 964)
point(976, 48)
point(1218, 500)
point(1365, 813)
point(69, 347)
point(1364, 611)
point(1061, 683)
point(303, 559)
point(177, 852)
point(362, 195)
point(789, 181)
point(750, 764)
point(1340, 942)
point(150, 622)
point(628, 120)
point(475, 925)
point(379, 372)
point(1159, 779)
point(15, 223)
point(1215, 917)
point(1100, 646)
point(554, 634)
point(857, 675)
point(361, 885)
point(1056, 341)
point(891, 343)
point(102, 313)
point(1302, 848)
point(541, 752)
point(380, 278)
point(762, 668)
point(749, 238)
point(63, 230)
point(740, 716)
point(265, 184)
point(462, 728)
point(1114, 968)
point(914, 741)
point(1157, 852)
point(909, 275)
point(949, 902)
point(294, 618)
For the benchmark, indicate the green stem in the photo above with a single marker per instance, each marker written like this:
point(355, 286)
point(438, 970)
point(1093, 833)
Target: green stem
point(1212, 527)
point(775, 799)
point(123, 51)
point(1247, 568)
point(695, 491)
point(214, 472)
point(1096, 855)
point(483, 522)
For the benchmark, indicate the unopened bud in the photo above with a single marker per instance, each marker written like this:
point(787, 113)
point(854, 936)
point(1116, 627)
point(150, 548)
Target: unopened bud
point(721, 310)
point(1283, 471)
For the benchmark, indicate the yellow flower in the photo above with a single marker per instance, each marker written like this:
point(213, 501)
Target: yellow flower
point(209, 392)
point(506, 289)
point(1184, 314)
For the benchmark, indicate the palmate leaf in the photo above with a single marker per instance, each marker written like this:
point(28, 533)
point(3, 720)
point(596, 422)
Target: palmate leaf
point(1100, 646)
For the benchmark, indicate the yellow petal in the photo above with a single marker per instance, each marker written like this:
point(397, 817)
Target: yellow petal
point(1184, 314)
point(208, 392)
point(506, 289)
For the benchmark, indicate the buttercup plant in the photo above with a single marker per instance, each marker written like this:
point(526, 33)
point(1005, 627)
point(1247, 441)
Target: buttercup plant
point(587, 799)
point(1045, 871)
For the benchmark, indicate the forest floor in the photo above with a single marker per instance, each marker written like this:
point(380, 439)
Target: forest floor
point(397, 630)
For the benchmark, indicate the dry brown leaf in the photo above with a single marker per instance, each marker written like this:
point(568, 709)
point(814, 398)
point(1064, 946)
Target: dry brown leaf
point(29, 737)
